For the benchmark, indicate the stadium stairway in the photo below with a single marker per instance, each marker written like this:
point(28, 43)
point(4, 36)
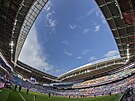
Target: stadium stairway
point(129, 95)
point(134, 95)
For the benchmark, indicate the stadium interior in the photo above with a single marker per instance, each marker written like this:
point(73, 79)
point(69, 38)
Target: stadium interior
point(110, 79)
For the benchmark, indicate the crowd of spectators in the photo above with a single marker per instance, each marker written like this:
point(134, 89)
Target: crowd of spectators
point(108, 89)
point(98, 90)
point(106, 85)
point(104, 79)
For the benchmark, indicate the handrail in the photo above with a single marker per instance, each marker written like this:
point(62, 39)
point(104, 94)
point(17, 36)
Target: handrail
point(120, 99)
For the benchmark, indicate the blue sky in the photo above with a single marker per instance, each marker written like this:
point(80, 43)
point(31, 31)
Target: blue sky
point(68, 34)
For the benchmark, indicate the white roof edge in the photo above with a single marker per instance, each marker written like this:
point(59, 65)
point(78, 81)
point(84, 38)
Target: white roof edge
point(92, 63)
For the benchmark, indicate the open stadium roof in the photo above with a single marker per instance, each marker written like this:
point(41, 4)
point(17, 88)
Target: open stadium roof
point(120, 16)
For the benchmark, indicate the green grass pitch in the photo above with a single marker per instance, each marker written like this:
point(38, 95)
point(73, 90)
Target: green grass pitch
point(8, 95)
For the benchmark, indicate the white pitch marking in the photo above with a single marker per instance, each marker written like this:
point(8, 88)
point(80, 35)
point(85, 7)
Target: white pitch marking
point(22, 96)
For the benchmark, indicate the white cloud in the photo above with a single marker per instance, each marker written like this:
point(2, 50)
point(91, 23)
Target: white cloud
point(112, 53)
point(97, 28)
point(48, 8)
point(81, 17)
point(92, 10)
point(57, 71)
point(48, 15)
point(72, 26)
point(86, 30)
point(68, 53)
point(99, 14)
point(79, 57)
point(92, 59)
point(103, 19)
point(65, 42)
point(50, 21)
point(85, 51)
point(31, 53)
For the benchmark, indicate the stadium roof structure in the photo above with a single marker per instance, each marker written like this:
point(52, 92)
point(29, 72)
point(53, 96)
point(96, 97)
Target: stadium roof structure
point(93, 70)
point(17, 18)
point(120, 15)
point(27, 72)
point(12, 15)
